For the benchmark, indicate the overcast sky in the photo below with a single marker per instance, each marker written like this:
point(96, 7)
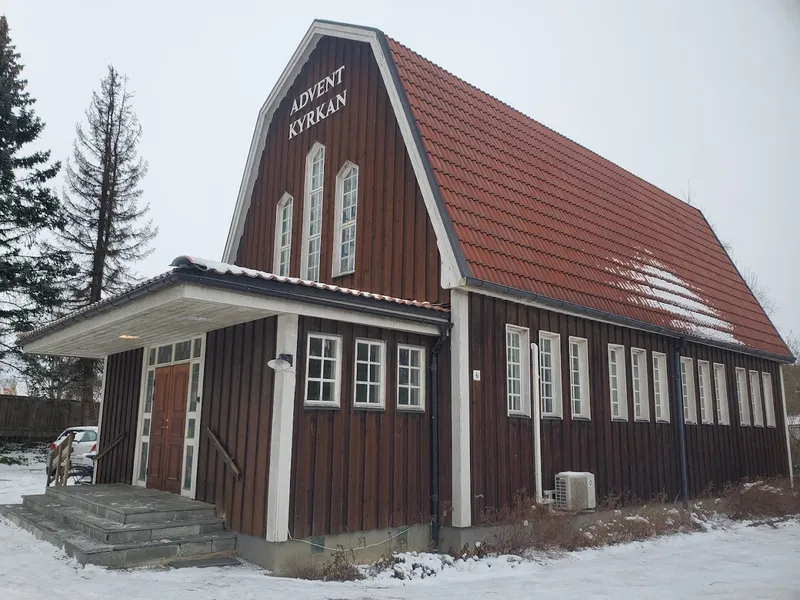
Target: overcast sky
point(706, 92)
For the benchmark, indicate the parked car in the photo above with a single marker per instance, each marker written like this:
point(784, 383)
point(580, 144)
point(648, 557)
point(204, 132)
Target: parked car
point(84, 443)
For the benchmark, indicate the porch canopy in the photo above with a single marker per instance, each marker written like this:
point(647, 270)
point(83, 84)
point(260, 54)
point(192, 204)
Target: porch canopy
point(201, 295)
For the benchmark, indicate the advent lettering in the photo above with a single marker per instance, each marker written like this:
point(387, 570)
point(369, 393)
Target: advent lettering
point(324, 110)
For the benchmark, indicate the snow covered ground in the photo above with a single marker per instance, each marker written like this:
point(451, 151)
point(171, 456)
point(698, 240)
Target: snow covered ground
point(738, 562)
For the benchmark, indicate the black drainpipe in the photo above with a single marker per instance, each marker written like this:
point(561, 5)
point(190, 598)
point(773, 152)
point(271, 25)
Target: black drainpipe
point(678, 396)
point(433, 372)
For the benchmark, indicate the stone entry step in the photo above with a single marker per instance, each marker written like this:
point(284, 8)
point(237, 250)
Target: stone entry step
point(123, 526)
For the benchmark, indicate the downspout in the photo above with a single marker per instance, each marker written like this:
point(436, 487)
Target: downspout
point(678, 401)
point(537, 423)
point(433, 372)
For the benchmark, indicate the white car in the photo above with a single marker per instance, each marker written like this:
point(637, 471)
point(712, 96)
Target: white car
point(85, 442)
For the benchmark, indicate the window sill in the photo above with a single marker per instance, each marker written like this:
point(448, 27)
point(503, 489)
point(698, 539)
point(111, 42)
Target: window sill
point(411, 409)
point(663, 421)
point(369, 407)
point(552, 418)
point(518, 415)
point(707, 423)
point(345, 274)
point(641, 420)
point(581, 418)
point(619, 419)
point(321, 406)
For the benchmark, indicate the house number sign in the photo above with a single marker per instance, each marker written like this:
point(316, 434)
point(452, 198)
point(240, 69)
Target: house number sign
point(323, 110)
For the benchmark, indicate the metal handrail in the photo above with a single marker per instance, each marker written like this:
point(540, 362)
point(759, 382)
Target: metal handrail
point(105, 451)
point(227, 459)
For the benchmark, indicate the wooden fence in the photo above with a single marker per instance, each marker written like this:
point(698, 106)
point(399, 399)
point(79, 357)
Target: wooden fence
point(25, 418)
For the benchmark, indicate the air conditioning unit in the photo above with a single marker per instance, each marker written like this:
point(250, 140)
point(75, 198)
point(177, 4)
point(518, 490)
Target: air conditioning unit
point(575, 491)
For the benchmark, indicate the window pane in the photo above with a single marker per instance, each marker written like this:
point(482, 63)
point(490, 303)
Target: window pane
point(313, 391)
point(373, 394)
point(148, 404)
point(403, 375)
point(315, 346)
point(403, 356)
point(361, 371)
point(327, 392)
point(402, 396)
point(143, 462)
point(374, 373)
point(362, 351)
point(165, 354)
point(187, 471)
point(361, 392)
point(151, 358)
point(330, 348)
point(183, 350)
point(327, 369)
point(314, 368)
point(198, 347)
point(190, 429)
point(146, 428)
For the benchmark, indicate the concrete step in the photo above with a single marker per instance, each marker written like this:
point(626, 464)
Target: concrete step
point(127, 504)
point(114, 532)
point(89, 550)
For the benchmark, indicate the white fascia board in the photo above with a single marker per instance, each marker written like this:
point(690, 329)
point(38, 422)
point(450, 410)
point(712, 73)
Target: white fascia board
point(278, 305)
point(451, 275)
point(786, 428)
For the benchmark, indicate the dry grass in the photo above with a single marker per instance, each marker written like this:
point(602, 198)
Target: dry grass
point(340, 567)
point(305, 567)
point(770, 498)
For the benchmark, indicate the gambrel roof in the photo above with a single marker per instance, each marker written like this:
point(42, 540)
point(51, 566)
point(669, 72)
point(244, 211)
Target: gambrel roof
point(521, 210)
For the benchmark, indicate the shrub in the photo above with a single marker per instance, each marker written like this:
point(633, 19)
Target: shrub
point(760, 499)
point(341, 566)
point(305, 567)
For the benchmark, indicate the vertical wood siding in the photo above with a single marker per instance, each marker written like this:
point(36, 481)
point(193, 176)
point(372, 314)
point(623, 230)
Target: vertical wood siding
point(237, 407)
point(629, 458)
point(396, 251)
point(120, 414)
point(356, 469)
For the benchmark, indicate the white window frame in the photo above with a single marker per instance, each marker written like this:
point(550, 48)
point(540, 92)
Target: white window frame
point(340, 225)
point(616, 359)
point(195, 414)
point(524, 334)
point(337, 381)
point(381, 404)
point(555, 370)
point(688, 399)
point(583, 378)
point(704, 393)
point(742, 397)
point(660, 387)
point(769, 400)
point(285, 201)
point(755, 399)
point(642, 379)
point(721, 392)
point(423, 382)
point(304, 254)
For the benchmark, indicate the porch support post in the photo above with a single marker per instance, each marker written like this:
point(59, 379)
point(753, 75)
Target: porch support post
point(786, 428)
point(280, 455)
point(460, 382)
point(100, 413)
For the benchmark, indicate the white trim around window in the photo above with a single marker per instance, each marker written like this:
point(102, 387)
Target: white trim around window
point(640, 391)
point(704, 394)
point(617, 383)
point(369, 378)
point(721, 391)
point(769, 402)
point(660, 387)
point(344, 243)
point(411, 377)
point(742, 397)
point(323, 371)
point(313, 213)
point(580, 403)
point(518, 380)
point(284, 215)
point(550, 374)
point(687, 391)
point(755, 398)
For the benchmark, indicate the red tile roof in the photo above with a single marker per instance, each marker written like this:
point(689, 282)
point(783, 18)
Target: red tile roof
point(537, 212)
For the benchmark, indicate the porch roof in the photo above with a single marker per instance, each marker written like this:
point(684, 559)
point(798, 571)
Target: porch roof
point(200, 295)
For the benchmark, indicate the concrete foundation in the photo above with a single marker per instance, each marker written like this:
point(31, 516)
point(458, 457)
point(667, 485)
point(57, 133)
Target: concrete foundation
point(367, 546)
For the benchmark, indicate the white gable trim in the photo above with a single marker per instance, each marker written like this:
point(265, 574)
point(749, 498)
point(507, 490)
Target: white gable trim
point(450, 273)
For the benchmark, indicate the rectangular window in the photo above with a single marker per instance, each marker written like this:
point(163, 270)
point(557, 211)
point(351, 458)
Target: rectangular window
point(755, 397)
point(550, 373)
point(518, 383)
point(322, 370)
point(687, 391)
point(617, 383)
point(769, 403)
point(741, 396)
point(344, 258)
point(283, 235)
point(641, 398)
point(370, 374)
point(660, 387)
point(410, 377)
point(721, 390)
point(704, 392)
point(579, 378)
point(312, 232)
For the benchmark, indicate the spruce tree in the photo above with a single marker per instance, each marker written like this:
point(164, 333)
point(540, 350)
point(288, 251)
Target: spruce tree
point(31, 277)
point(106, 228)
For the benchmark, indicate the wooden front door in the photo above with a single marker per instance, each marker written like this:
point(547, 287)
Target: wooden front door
point(167, 429)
